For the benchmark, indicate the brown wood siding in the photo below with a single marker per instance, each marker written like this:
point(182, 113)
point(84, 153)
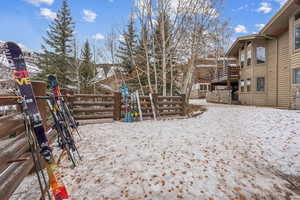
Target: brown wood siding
point(283, 70)
point(271, 78)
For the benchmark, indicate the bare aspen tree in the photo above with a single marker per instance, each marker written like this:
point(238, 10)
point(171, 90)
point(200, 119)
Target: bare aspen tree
point(183, 28)
point(197, 23)
point(144, 14)
point(111, 47)
point(76, 64)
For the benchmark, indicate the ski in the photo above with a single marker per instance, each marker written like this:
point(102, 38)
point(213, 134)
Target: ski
point(62, 122)
point(139, 104)
point(53, 84)
point(35, 131)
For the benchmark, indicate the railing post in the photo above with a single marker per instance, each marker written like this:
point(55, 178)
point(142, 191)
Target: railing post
point(39, 89)
point(184, 104)
point(117, 106)
point(155, 102)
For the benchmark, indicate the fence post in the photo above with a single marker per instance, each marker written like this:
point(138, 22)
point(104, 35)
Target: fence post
point(184, 104)
point(39, 89)
point(117, 106)
point(155, 102)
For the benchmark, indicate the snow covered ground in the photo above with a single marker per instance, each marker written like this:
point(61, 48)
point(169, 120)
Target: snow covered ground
point(229, 152)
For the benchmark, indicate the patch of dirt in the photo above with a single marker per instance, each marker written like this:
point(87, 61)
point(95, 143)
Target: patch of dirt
point(195, 110)
point(294, 182)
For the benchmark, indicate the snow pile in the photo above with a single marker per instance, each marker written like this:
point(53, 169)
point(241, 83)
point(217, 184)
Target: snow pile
point(229, 152)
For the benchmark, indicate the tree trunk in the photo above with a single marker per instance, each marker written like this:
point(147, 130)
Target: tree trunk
point(164, 63)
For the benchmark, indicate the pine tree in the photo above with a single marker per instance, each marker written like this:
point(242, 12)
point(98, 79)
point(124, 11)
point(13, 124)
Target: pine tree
point(57, 58)
point(127, 49)
point(87, 73)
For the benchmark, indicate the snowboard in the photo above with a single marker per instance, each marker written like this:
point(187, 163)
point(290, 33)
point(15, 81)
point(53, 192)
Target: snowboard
point(125, 96)
point(16, 61)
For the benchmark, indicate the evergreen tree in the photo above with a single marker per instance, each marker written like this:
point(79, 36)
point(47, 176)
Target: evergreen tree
point(57, 58)
point(127, 49)
point(87, 73)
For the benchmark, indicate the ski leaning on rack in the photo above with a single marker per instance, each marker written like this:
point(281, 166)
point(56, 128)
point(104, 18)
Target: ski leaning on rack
point(35, 131)
point(61, 124)
point(53, 84)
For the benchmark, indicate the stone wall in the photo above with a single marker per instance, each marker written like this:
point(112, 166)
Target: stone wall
point(219, 96)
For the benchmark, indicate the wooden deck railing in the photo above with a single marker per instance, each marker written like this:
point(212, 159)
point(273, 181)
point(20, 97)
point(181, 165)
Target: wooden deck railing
point(225, 74)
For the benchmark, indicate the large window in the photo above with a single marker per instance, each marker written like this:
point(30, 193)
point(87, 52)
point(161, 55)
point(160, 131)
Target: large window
point(297, 36)
point(296, 76)
point(249, 53)
point(242, 58)
point(260, 55)
point(242, 85)
point(260, 84)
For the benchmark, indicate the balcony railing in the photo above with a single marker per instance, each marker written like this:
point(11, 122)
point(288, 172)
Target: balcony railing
point(225, 74)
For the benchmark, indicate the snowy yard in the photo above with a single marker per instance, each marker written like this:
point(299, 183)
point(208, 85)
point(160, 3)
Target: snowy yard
point(229, 152)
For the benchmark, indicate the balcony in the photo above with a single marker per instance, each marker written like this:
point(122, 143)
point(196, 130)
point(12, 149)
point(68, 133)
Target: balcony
point(225, 74)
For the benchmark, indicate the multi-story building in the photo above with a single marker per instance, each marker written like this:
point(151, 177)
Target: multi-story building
point(270, 61)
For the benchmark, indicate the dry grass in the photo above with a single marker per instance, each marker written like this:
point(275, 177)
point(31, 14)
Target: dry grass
point(195, 110)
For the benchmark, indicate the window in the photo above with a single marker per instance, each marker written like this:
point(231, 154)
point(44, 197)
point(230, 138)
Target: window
point(260, 55)
point(249, 54)
point(203, 87)
point(297, 36)
point(260, 84)
point(242, 85)
point(242, 59)
point(297, 16)
point(296, 76)
point(248, 85)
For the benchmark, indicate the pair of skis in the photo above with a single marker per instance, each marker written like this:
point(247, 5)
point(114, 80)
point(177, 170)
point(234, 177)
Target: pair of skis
point(35, 131)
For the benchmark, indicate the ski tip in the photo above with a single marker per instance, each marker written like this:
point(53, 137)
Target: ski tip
point(52, 81)
point(13, 46)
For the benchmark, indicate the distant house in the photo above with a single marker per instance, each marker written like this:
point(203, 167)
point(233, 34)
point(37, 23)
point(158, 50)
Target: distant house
point(269, 61)
point(206, 74)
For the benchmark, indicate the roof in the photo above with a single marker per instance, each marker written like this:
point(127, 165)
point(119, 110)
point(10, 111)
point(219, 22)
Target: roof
point(233, 51)
point(280, 21)
point(277, 25)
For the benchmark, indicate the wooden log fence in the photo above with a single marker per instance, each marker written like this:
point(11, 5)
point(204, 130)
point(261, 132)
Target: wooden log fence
point(15, 159)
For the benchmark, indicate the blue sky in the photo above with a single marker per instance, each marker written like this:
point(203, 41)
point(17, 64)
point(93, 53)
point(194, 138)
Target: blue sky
point(26, 21)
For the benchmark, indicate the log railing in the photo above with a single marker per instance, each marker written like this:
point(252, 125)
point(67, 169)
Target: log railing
point(165, 106)
point(88, 106)
point(227, 73)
